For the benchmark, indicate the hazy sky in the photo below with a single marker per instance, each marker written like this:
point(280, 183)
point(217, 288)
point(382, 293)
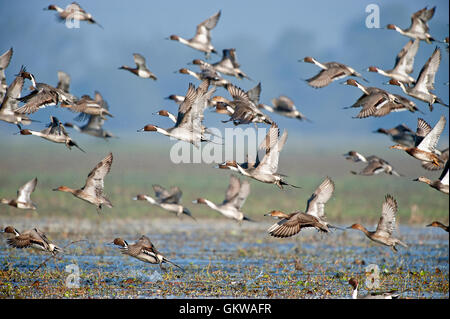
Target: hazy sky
point(269, 36)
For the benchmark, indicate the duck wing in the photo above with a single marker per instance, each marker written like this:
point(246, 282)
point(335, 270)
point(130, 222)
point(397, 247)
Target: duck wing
point(425, 81)
point(316, 203)
point(429, 142)
point(386, 224)
point(94, 183)
point(24, 192)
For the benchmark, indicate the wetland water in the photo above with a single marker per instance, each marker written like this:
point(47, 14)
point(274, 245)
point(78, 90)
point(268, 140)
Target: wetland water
point(221, 258)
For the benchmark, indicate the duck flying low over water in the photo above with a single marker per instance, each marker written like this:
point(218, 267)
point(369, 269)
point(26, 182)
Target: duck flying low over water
point(92, 191)
point(141, 69)
point(167, 199)
point(441, 184)
point(202, 39)
point(331, 71)
point(426, 141)
point(42, 95)
point(425, 82)
point(189, 125)
point(284, 106)
point(10, 102)
point(372, 295)
point(94, 126)
point(144, 250)
point(266, 170)
point(314, 216)
point(375, 164)
point(386, 225)
point(401, 134)
point(33, 238)
point(439, 225)
point(419, 25)
point(5, 59)
point(55, 132)
point(228, 65)
point(404, 64)
point(23, 199)
point(73, 12)
point(377, 102)
point(235, 197)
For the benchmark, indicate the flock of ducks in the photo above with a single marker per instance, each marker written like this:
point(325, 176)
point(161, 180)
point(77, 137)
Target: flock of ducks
point(242, 108)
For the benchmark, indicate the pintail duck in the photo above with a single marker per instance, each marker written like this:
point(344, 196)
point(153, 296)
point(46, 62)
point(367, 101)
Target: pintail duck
point(42, 95)
point(373, 295)
point(401, 134)
point(426, 141)
point(292, 224)
point(141, 69)
point(176, 98)
point(202, 39)
point(331, 71)
point(375, 164)
point(229, 65)
point(33, 238)
point(73, 12)
point(143, 250)
point(63, 81)
point(243, 108)
point(425, 82)
point(403, 64)
point(92, 191)
point(5, 58)
point(55, 132)
point(419, 25)
point(207, 72)
point(23, 200)
point(377, 102)
point(438, 224)
point(232, 165)
point(94, 126)
point(10, 104)
point(441, 184)
point(173, 118)
point(167, 199)
point(386, 225)
point(235, 197)
point(284, 106)
point(87, 106)
point(266, 170)
point(189, 124)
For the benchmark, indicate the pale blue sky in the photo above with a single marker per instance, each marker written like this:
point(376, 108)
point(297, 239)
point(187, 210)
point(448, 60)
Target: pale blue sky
point(269, 36)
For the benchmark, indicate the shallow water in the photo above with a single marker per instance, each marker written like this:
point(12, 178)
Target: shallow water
point(221, 259)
